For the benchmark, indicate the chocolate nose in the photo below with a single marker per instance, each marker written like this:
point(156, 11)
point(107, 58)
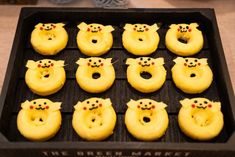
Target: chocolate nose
point(93, 105)
point(200, 104)
point(145, 61)
point(39, 105)
point(145, 105)
point(191, 62)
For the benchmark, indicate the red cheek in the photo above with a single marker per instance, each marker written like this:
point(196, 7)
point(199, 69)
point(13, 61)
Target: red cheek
point(39, 65)
point(134, 29)
point(178, 29)
point(146, 29)
point(88, 29)
point(88, 64)
point(185, 64)
point(84, 108)
point(31, 107)
point(52, 64)
point(138, 106)
point(199, 64)
point(101, 64)
point(153, 107)
point(54, 26)
point(193, 106)
point(100, 29)
point(47, 107)
point(100, 105)
point(152, 63)
point(190, 30)
point(209, 105)
point(41, 28)
point(139, 63)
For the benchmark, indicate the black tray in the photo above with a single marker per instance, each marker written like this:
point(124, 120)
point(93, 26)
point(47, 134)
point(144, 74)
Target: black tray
point(121, 143)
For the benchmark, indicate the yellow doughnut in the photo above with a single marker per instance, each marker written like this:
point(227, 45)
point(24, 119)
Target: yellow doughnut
point(200, 118)
point(95, 66)
point(94, 39)
point(140, 39)
point(39, 119)
point(192, 75)
point(45, 77)
point(184, 39)
point(94, 119)
point(146, 119)
point(49, 39)
point(152, 66)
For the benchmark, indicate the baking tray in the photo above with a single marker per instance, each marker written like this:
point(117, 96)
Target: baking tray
point(121, 143)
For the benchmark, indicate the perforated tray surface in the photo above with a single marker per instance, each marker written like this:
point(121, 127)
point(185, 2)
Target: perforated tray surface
point(16, 91)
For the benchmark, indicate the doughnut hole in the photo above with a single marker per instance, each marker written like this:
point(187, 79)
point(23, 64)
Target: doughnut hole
point(145, 75)
point(202, 117)
point(38, 118)
point(96, 75)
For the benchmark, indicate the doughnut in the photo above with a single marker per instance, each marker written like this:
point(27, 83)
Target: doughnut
point(192, 75)
point(146, 119)
point(39, 119)
point(94, 119)
point(200, 118)
point(45, 77)
point(140, 39)
point(49, 38)
point(184, 39)
point(94, 39)
point(95, 74)
point(146, 65)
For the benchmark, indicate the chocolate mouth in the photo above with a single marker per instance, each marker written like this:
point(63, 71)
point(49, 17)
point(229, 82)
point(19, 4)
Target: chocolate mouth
point(48, 29)
point(146, 108)
point(182, 31)
point(95, 66)
point(40, 108)
point(190, 66)
point(145, 65)
point(140, 30)
point(93, 108)
point(46, 66)
point(93, 31)
point(199, 107)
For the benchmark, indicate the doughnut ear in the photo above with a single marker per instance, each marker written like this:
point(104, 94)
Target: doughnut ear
point(185, 103)
point(216, 106)
point(108, 29)
point(132, 104)
point(194, 25)
point(160, 105)
point(31, 64)
point(59, 63)
point(82, 26)
point(130, 61)
point(25, 105)
point(128, 27)
point(60, 24)
point(107, 102)
point(108, 61)
point(159, 61)
point(203, 61)
point(81, 61)
point(179, 60)
point(173, 25)
point(55, 106)
point(78, 106)
point(38, 25)
point(154, 27)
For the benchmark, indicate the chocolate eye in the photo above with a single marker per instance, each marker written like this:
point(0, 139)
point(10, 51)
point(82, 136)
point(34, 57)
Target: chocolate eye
point(87, 102)
point(91, 26)
point(144, 26)
point(180, 27)
point(186, 27)
point(43, 25)
point(90, 60)
point(135, 25)
point(186, 60)
point(45, 103)
point(52, 25)
point(149, 59)
point(205, 102)
point(141, 58)
point(49, 61)
point(195, 101)
point(99, 60)
point(97, 101)
point(34, 102)
point(150, 103)
point(40, 61)
point(99, 27)
point(140, 102)
point(195, 60)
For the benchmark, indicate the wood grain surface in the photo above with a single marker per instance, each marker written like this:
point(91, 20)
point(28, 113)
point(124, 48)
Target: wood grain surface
point(225, 12)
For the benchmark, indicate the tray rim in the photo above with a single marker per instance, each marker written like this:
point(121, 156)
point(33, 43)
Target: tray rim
point(27, 11)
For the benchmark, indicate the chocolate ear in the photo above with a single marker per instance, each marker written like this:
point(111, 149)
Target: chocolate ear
point(60, 24)
point(108, 61)
point(173, 25)
point(38, 25)
point(31, 64)
point(179, 60)
point(107, 102)
point(130, 61)
point(25, 105)
point(78, 106)
point(160, 105)
point(82, 26)
point(216, 106)
point(108, 29)
point(132, 104)
point(186, 103)
point(159, 61)
point(154, 27)
point(195, 25)
point(128, 27)
point(59, 63)
point(55, 106)
point(81, 61)
point(203, 61)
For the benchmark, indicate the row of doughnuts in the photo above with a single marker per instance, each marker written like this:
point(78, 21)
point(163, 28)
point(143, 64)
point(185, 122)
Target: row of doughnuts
point(191, 75)
point(96, 39)
point(94, 119)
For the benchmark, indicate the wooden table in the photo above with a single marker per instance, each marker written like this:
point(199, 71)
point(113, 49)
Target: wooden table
point(225, 12)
